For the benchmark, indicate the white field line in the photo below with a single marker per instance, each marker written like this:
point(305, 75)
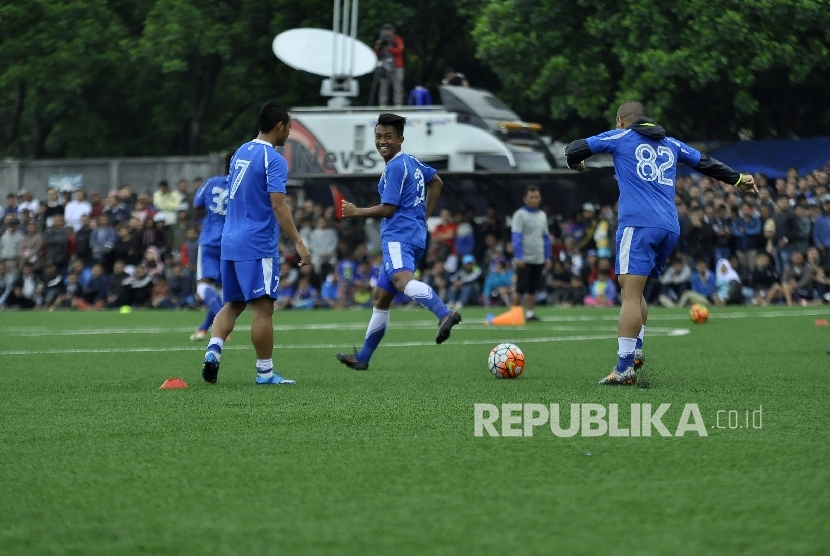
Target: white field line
point(488, 341)
point(714, 316)
point(27, 331)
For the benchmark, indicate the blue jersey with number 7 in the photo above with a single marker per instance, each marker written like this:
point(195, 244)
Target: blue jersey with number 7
point(251, 231)
point(403, 184)
point(213, 196)
point(645, 161)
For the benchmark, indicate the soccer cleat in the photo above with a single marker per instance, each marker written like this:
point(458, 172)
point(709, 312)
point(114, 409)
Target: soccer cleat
point(626, 378)
point(198, 336)
point(446, 326)
point(639, 359)
point(351, 361)
point(210, 368)
point(275, 379)
point(533, 318)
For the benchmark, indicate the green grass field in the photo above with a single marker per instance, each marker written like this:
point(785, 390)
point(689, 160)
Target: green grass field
point(95, 459)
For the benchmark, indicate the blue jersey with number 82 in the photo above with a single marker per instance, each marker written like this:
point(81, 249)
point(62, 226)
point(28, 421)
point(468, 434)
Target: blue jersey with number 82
point(403, 184)
point(646, 169)
point(213, 195)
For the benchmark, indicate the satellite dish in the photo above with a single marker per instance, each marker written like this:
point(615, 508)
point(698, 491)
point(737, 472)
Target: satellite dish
point(321, 52)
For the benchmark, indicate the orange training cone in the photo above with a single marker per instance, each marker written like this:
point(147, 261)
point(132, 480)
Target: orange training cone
point(173, 383)
point(514, 317)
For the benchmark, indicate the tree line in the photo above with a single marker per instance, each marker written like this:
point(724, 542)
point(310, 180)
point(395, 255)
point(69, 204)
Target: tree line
point(96, 78)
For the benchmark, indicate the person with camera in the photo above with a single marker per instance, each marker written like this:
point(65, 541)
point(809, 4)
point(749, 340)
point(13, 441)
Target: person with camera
point(389, 49)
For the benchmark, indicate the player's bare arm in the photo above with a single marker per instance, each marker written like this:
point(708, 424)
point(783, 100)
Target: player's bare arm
point(286, 222)
point(433, 193)
point(379, 211)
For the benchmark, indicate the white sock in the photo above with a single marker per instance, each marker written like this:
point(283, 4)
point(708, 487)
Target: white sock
point(642, 333)
point(627, 346)
point(218, 342)
point(201, 288)
point(265, 367)
point(416, 288)
point(379, 320)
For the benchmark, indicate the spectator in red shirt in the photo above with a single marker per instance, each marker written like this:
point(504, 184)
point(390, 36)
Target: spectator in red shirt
point(442, 244)
point(97, 205)
point(389, 48)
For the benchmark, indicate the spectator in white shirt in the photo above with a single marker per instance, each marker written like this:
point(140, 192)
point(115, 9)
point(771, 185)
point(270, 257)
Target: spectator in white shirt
point(75, 209)
point(10, 242)
point(322, 243)
point(27, 202)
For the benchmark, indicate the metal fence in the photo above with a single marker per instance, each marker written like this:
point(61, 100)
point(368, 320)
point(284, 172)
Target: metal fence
point(104, 174)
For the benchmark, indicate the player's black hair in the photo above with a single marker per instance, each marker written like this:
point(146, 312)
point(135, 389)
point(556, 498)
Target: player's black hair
point(397, 122)
point(631, 110)
point(272, 113)
point(530, 189)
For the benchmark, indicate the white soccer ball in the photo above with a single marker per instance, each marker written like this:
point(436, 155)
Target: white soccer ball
point(506, 361)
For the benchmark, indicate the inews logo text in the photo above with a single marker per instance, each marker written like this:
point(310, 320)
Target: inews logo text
point(591, 419)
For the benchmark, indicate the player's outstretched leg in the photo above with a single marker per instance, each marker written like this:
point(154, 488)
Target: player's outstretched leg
point(429, 300)
point(262, 336)
point(359, 360)
point(213, 301)
point(628, 329)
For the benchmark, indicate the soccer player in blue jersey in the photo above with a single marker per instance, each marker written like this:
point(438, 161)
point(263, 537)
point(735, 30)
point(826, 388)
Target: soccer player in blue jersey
point(645, 160)
point(250, 267)
point(409, 191)
point(212, 197)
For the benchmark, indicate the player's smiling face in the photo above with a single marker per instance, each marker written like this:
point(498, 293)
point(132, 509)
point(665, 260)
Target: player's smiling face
point(387, 141)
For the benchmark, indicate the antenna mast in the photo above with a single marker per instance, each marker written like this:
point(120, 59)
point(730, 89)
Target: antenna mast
point(342, 84)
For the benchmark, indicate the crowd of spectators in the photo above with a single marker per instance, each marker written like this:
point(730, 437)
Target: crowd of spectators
point(68, 251)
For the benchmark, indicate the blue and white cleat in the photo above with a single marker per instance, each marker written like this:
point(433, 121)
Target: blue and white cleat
point(275, 379)
point(210, 367)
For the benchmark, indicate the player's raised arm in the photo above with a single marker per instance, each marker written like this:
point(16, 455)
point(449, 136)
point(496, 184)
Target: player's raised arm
point(576, 153)
point(433, 193)
point(283, 214)
point(716, 169)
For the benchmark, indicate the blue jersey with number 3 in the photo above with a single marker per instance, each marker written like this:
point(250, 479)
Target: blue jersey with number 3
point(403, 184)
point(251, 231)
point(213, 196)
point(646, 170)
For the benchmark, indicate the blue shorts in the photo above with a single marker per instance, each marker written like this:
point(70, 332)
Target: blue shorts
point(208, 263)
point(643, 251)
point(397, 256)
point(248, 280)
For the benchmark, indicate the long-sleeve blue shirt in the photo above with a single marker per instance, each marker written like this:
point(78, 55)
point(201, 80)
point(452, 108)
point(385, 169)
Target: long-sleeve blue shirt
point(496, 280)
point(702, 287)
point(747, 233)
point(821, 231)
